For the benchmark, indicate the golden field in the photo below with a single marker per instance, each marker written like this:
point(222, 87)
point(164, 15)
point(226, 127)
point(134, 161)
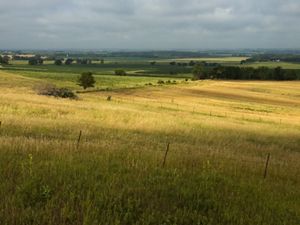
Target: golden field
point(219, 128)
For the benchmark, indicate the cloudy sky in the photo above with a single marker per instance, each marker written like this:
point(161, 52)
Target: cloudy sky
point(149, 24)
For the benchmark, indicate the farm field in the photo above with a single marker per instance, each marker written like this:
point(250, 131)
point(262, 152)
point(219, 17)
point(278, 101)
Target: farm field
point(141, 67)
point(94, 161)
point(137, 68)
point(211, 59)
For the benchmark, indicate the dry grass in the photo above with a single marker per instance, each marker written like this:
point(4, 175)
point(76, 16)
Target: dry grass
point(213, 126)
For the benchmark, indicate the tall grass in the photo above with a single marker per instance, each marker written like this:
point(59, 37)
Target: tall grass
point(220, 134)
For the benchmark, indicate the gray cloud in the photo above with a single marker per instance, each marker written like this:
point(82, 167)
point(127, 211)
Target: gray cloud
point(149, 24)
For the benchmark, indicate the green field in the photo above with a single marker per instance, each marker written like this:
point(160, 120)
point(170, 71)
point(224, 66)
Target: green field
point(93, 161)
point(143, 67)
point(209, 59)
point(139, 68)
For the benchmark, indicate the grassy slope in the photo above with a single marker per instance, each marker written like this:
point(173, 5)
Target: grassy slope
point(220, 133)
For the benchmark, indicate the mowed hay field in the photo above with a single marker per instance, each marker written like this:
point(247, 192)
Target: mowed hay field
point(220, 133)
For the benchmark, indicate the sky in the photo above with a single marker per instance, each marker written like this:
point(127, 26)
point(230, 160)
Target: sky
point(149, 24)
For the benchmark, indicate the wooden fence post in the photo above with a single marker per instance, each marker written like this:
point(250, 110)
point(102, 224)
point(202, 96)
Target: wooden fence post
point(78, 140)
point(166, 153)
point(266, 167)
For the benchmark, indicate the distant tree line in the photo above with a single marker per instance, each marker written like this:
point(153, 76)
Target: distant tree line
point(193, 63)
point(245, 73)
point(273, 57)
point(37, 60)
point(84, 61)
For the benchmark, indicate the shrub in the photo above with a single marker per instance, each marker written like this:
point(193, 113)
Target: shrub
point(58, 62)
point(35, 61)
point(160, 82)
point(192, 63)
point(32, 61)
point(69, 61)
point(52, 90)
point(120, 72)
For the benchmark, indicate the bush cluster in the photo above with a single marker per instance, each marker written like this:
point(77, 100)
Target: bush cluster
point(120, 72)
point(35, 61)
point(52, 90)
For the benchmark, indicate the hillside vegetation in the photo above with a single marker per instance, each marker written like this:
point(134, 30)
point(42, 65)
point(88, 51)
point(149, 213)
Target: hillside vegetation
point(94, 161)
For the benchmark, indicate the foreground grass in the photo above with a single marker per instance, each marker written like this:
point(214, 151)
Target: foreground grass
point(219, 135)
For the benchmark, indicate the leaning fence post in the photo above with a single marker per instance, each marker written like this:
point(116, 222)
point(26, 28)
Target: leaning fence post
point(266, 167)
point(166, 153)
point(78, 140)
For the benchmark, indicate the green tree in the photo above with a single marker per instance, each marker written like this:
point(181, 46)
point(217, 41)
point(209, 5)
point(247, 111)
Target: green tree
point(192, 63)
point(86, 80)
point(199, 72)
point(69, 61)
point(290, 75)
point(279, 73)
point(120, 72)
point(4, 59)
point(32, 61)
point(58, 62)
point(35, 61)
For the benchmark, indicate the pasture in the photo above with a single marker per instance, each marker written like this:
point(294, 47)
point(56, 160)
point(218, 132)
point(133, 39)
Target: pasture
point(93, 161)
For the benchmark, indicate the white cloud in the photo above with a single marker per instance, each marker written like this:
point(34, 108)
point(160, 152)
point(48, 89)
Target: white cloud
point(143, 24)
